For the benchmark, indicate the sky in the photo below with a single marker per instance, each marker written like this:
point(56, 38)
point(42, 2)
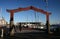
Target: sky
point(29, 15)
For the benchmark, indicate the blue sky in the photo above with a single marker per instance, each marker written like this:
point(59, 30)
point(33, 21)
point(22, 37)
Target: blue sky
point(29, 16)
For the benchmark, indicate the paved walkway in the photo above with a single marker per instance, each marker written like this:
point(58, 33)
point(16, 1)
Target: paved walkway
point(33, 34)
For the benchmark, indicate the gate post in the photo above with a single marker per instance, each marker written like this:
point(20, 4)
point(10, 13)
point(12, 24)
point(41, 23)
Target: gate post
point(11, 22)
point(47, 24)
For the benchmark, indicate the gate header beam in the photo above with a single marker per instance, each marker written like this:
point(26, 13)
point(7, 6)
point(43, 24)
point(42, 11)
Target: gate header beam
point(28, 8)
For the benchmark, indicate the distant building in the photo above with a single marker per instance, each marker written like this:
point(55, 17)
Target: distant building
point(3, 22)
point(30, 24)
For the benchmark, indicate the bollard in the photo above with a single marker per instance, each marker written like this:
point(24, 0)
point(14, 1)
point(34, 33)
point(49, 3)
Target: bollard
point(2, 32)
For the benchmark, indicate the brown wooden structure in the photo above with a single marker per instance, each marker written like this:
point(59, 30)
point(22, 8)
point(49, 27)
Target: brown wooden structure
point(28, 8)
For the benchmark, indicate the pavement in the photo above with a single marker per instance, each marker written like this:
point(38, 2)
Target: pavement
point(32, 35)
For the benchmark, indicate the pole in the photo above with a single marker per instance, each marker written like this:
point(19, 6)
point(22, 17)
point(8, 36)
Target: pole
point(47, 24)
point(11, 22)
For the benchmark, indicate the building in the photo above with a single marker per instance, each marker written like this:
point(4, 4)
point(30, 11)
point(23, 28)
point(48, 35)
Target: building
point(3, 22)
point(29, 24)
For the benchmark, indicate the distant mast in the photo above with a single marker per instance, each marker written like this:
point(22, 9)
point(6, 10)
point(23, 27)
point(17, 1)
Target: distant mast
point(46, 6)
point(1, 13)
